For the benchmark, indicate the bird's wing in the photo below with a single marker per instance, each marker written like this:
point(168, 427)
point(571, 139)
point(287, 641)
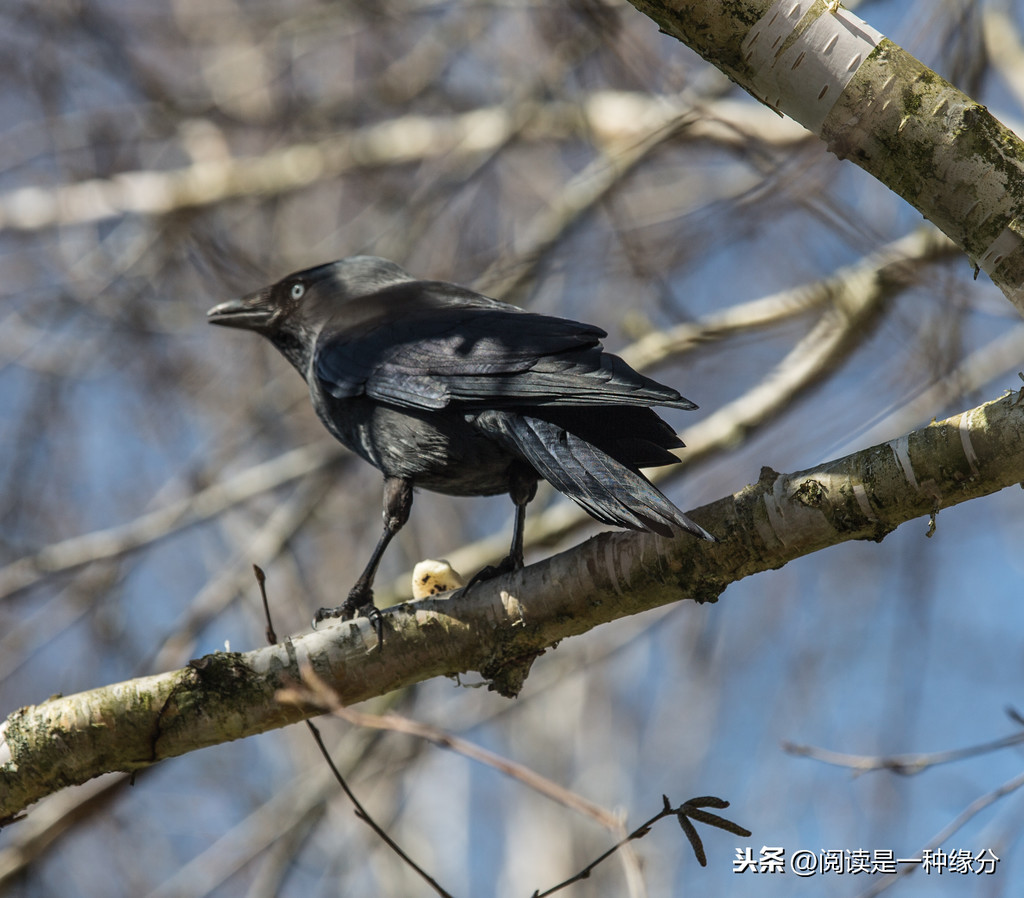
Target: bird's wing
point(479, 354)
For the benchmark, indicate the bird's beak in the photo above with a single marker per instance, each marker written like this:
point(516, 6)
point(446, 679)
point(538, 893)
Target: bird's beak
point(253, 312)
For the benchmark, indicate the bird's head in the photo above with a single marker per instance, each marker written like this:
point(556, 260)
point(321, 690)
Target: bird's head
point(292, 312)
point(312, 294)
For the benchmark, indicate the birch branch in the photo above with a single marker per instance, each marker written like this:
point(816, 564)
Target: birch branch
point(876, 105)
point(501, 626)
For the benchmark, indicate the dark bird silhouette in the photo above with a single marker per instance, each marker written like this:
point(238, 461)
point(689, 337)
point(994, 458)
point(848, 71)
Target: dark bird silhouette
point(440, 387)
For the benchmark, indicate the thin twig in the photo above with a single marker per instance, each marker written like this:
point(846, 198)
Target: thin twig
point(360, 811)
point(691, 809)
point(962, 819)
point(318, 693)
point(504, 278)
point(368, 820)
point(905, 765)
point(261, 579)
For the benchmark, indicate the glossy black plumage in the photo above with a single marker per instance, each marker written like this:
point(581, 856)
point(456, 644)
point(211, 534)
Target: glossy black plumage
point(440, 387)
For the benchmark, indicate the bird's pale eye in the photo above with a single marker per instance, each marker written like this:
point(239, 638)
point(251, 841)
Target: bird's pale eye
point(297, 291)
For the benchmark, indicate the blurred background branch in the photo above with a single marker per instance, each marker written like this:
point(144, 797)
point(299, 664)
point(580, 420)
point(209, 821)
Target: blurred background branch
point(156, 158)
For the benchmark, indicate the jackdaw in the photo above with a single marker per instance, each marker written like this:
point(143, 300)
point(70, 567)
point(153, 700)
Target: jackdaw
point(443, 388)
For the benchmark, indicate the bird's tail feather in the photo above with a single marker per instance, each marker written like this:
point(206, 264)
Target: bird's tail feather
point(606, 489)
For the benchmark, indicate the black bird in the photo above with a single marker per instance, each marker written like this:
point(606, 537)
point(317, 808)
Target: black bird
point(443, 388)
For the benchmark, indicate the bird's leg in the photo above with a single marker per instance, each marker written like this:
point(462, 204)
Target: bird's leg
point(522, 489)
point(397, 505)
point(514, 559)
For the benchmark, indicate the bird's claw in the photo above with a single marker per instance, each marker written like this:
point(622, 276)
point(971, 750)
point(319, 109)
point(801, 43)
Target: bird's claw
point(373, 614)
point(353, 606)
point(505, 566)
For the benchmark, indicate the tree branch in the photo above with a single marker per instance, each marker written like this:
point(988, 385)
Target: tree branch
point(500, 626)
point(101, 545)
point(608, 117)
point(875, 104)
